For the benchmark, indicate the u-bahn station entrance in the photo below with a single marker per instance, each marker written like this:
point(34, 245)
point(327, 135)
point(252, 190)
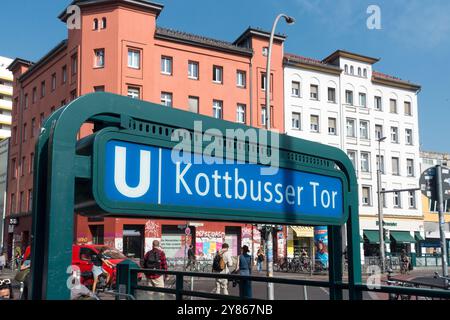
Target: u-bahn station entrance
point(153, 172)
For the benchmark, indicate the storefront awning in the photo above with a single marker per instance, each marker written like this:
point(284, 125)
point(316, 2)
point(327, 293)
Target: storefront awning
point(303, 232)
point(418, 236)
point(402, 237)
point(374, 237)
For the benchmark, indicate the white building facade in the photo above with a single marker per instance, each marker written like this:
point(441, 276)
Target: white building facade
point(344, 103)
point(6, 91)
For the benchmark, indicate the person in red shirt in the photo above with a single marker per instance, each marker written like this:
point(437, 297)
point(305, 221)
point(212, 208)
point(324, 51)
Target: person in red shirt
point(155, 259)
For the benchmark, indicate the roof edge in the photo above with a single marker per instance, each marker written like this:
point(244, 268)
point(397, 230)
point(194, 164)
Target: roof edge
point(350, 55)
point(258, 32)
point(18, 61)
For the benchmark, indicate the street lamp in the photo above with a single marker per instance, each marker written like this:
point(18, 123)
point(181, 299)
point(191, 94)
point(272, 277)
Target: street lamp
point(380, 206)
point(289, 20)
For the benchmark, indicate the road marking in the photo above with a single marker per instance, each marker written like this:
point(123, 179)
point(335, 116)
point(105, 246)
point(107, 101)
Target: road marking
point(324, 290)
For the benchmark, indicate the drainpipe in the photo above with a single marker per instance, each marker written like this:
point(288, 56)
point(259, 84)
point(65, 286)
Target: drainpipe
point(250, 85)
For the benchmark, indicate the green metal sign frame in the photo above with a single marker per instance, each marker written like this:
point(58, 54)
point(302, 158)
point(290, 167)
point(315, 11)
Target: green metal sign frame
point(65, 168)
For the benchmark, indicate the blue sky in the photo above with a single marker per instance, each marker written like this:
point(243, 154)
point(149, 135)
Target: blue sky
point(413, 44)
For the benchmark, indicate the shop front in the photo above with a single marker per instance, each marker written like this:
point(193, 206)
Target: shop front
point(300, 238)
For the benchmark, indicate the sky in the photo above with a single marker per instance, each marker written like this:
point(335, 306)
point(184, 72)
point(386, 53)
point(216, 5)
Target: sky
point(413, 42)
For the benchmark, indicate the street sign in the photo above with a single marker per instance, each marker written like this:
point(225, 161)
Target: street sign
point(144, 178)
point(446, 183)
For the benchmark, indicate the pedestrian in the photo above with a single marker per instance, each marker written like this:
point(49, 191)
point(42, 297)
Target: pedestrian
point(2, 260)
point(191, 257)
point(221, 264)
point(6, 291)
point(245, 269)
point(155, 259)
point(260, 257)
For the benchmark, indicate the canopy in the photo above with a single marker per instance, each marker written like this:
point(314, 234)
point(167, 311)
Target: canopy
point(402, 237)
point(418, 236)
point(303, 232)
point(374, 237)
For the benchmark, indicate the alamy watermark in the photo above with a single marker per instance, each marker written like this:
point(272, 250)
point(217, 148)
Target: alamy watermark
point(374, 20)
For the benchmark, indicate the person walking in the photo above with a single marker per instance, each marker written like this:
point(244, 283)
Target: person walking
point(245, 269)
point(221, 264)
point(2, 260)
point(191, 258)
point(155, 259)
point(260, 257)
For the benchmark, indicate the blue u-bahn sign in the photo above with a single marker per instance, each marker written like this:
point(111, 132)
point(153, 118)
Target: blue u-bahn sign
point(140, 178)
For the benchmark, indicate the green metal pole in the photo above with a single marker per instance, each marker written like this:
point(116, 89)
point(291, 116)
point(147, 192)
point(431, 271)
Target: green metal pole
point(335, 261)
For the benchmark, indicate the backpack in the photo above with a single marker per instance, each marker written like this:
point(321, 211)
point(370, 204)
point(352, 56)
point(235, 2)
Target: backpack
point(153, 260)
point(218, 262)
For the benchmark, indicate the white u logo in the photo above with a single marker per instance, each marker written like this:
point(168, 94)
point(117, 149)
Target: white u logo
point(120, 165)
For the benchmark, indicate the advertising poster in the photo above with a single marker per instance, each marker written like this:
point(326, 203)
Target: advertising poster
point(321, 243)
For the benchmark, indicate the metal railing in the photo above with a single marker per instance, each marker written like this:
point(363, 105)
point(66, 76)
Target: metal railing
point(127, 280)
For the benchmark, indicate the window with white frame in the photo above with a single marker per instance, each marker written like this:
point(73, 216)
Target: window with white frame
point(166, 99)
point(365, 161)
point(99, 58)
point(134, 92)
point(332, 126)
point(408, 110)
point(134, 58)
point(352, 70)
point(263, 115)
point(365, 73)
point(217, 74)
point(193, 103)
point(331, 94)
point(380, 163)
point(359, 71)
point(314, 92)
point(412, 199)
point(362, 100)
point(346, 68)
point(378, 103)
point(351, 128)
point(263, 81)
point(393, 106)
point(166, 65)
point(410, 167)
point(366, 196)
point(364, 129)
point(349, 97)
point(296, 120)
point(378, 131)
point(314, 123)
point(193, 70)
point(352, 156)
point(395, 166)
point(295, 89)
point(394, 135)
point(240, 113)
point(217, 109)
point(397, 200)
point(409, 136)
point(241, 79)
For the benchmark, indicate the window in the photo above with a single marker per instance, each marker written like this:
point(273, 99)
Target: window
point(352, 156)
point(103, 23)
point(349, 97)
point(378, 131)
point(193, 103)
point(314, 92)
point(346, 68)
point(22, 166)
point(365, 162)
point(134, 59)
point(263, 81)
point(380, 164)
point(15, 135)
point(314, 123)
point(394, 134)
point(395, 166)
point(26, 101)
point(74, 64)
point(95, 24)
point(99, 88)
point(30, 164)
point(134, 92)
point(41, 119)
point(351, 129)
point(240, 113)
point(99, 58)
point(393, 105)
point(364, 129)
point(408, 111)
point(73, 94)
point(397, 200)
point(241, 79)
point(263, 116)
point(410, 167)
point(409, 137)
point(34, 96)
point(217, 74)
point(412, 199)
point(331, 95)
point(365, 73)
point(383, 198)
point(24, 132)
point(13, 168)
point(265, 51)
point(217, 109)
point(13, 203)
point(30, 199)
point(362, 100)
point(378, 105)
point(33, 127)
point(295, 89)
point(64, 74)
point(296, 120)
point(366, 196)
point(166, 99)
point(352, 70)
point(193, 70)
point(359, 72)
point(53, 81)
point(21, 201)
point(332, 126)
